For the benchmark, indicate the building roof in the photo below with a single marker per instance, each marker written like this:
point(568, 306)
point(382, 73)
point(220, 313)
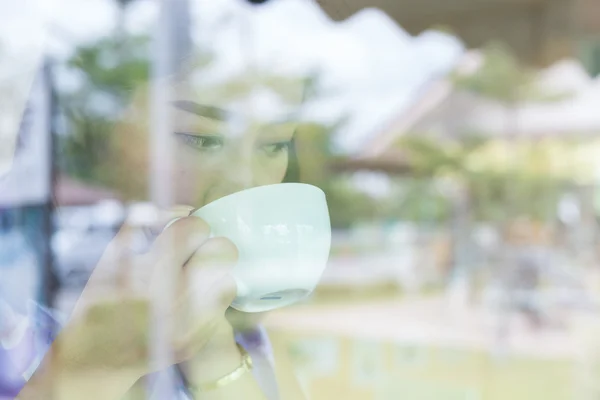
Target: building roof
point(446, 112)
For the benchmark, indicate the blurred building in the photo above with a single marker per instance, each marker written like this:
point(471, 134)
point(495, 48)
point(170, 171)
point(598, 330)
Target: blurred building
point(71, 192)
point(539, 31)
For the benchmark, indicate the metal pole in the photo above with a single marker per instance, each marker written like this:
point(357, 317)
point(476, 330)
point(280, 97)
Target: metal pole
point(52, 283)
point(161, 191)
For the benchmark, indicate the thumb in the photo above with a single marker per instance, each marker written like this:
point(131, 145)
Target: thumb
point(207, 287)
point(208, 273)
point(196, 319)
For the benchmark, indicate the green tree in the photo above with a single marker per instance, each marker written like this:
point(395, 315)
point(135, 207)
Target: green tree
point(347, 205)
point(108, 70)
point(111, 68)
point(533, 193)
point(503, 78)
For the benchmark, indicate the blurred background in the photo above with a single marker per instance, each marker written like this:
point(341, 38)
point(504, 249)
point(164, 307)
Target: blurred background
point(458, 143)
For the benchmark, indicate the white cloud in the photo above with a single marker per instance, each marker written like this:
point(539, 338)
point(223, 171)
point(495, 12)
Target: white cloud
point(375, 66)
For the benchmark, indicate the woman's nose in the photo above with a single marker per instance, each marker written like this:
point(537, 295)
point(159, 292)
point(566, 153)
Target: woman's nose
point(237, 175)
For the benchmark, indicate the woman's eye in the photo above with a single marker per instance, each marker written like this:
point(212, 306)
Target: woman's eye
point(201, 142)
point(275, 149)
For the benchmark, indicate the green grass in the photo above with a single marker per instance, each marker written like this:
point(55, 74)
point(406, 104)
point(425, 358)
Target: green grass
point(439, 373)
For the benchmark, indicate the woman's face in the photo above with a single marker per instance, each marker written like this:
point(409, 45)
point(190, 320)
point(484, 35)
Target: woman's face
point(221, 149)
point(226, 140)
point(224, 144)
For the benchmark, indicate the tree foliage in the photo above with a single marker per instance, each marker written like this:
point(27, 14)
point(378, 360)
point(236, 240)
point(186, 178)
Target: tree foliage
point(112, 66)
point(110, 69)
point(529, 191)
point(504, 78)
point(497, 190)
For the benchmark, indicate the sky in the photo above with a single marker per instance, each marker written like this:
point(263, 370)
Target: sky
point(373, 65)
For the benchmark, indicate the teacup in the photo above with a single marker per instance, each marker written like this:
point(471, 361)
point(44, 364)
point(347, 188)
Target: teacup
point(283, 235)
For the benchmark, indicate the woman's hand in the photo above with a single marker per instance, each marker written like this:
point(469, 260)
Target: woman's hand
point(110, 326)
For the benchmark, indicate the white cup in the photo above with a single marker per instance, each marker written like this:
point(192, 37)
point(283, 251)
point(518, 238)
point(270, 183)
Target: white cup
point(283, 236)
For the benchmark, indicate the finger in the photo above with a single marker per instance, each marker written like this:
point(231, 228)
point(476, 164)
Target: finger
point(218, 337)
point(170, 252)
point(209, 293)
point(207, 287)
point(120, 266)
point(166, 216)
point(148, 215)
point(177, 243)
point(212, 263)
point(200, 327)
point(126, 241)
point(216, 252)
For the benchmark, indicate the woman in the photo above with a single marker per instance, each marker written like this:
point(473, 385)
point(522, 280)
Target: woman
point(228, 136)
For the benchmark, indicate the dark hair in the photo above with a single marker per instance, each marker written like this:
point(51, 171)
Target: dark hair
point(293, 170)
point(292, 173)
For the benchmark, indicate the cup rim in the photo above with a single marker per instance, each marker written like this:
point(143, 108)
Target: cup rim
point(256, 188)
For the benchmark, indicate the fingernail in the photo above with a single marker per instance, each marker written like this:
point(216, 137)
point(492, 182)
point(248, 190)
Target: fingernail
point(182, 208)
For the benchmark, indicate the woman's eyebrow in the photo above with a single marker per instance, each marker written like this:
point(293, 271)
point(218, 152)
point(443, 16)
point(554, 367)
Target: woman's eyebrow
point(202, 110)
point(220, 114)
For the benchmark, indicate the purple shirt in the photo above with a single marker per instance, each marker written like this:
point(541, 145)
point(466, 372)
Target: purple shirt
point(14, 364)
point(256, 342)
point(19, 360)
